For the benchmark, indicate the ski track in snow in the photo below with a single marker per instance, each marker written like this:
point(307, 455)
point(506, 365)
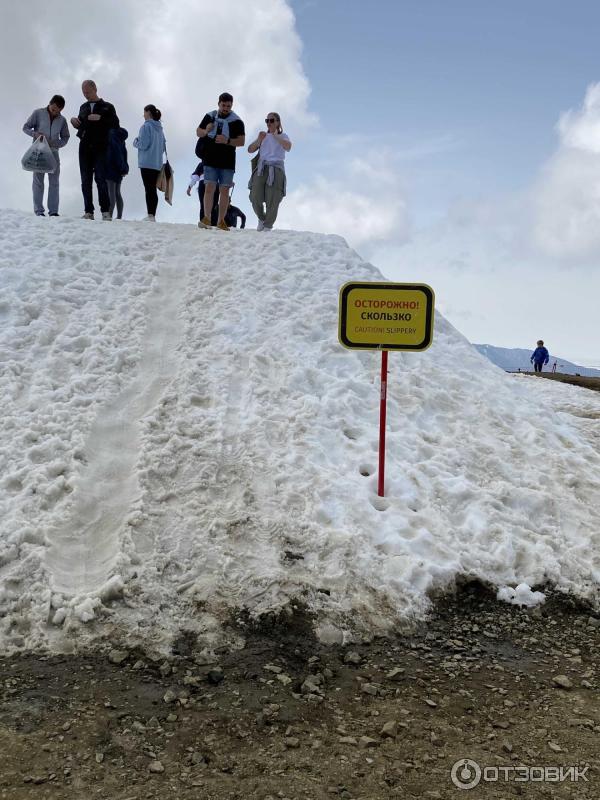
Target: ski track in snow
point(82, 553)
point(184, 437)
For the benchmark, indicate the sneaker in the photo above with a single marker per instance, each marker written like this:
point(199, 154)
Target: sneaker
point(107, 216)
point(204, 223)
point(260, 225)
point(267, 228)
point(54, 214)
point(149, 218)
point(223, 226)
point(87, 215)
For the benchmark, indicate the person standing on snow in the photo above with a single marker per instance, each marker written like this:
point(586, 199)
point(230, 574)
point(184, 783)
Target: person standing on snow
point(116, 168)
point(49, 124)
point(267, 182)
point(151, 145)
point(224, 131)
point(95, 119)
point(539, 356)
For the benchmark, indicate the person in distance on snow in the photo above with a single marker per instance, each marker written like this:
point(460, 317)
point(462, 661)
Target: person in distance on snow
point(540, 356)
point(267, 182)
point(116, 168)
point(151, 145)
point(95, 119)
point(48, 123)
point(224, 131)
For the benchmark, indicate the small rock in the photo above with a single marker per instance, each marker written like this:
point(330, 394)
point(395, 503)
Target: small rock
point(352, 658)
point(169, 696)
point(594, 622)
point(291, 742)
point(395, 674)
point(156, 766)
point(369, 688)
point(273, 668)
point(555, 747)
point(66, 726)
point(366, 741)
point(284, 679)
point(389, 730)
point(431, 703)
point(347, 740)
point(562, 682)
point(216, 676)
point(118, 656)
point(99, 758)
point(172, 718)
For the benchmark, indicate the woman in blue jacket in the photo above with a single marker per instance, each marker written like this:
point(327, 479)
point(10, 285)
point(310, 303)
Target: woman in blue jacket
point(151, 145)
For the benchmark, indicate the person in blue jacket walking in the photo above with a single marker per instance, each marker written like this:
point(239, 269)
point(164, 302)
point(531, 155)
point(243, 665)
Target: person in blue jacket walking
point(150, 144)
point(540, 356)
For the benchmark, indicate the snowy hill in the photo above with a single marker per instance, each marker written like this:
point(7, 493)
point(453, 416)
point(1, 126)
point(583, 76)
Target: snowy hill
point(517, 358)
point(183, 437)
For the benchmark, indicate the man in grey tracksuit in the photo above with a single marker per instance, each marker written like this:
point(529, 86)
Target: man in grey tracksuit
point(48, 123)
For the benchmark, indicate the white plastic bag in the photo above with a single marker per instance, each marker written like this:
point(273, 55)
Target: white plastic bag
point(39, 158)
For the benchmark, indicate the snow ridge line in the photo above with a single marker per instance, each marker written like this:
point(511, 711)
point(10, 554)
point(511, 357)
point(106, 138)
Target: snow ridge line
point(82, 554)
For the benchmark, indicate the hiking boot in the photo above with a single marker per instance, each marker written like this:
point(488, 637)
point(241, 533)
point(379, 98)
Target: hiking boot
point(204, 223)
point(53, 214)
point(40, 214)
point(107, 216)
point(223, 226)
point(87, 215)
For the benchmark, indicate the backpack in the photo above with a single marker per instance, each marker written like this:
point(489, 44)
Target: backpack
point(201, 143)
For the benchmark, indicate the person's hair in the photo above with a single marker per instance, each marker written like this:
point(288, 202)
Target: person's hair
point(89, 82)
point(57, 100)
point(540, 341)
point(153, 111)
point(225, 98)
point(278, 118)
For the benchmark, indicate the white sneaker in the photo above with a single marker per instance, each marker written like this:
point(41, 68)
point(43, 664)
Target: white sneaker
point(260, 225)
point(149, 218)
point(107, 216)
point(87, 215)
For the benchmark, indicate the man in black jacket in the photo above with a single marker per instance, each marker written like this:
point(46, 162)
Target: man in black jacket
point(95, 119)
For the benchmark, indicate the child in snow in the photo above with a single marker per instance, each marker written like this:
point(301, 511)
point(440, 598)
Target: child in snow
point(539, 356)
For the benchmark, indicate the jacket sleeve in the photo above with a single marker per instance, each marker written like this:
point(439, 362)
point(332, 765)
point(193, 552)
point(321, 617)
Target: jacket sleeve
point(547, 357)
point(142, 140)
point(64, 135)
point(30, 126)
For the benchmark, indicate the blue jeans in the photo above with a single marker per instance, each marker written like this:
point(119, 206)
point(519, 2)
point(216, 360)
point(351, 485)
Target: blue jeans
point(224, 177)
point(38, 189)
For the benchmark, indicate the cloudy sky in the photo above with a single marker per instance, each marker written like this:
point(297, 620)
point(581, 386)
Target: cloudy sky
point(456, 144)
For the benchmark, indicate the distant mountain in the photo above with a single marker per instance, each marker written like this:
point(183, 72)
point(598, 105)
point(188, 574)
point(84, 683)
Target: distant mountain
point(517, 358)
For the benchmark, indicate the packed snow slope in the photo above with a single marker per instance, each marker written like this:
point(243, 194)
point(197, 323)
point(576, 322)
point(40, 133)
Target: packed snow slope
point(182, 438)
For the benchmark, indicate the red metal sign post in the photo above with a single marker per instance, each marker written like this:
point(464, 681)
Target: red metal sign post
point(382, 416)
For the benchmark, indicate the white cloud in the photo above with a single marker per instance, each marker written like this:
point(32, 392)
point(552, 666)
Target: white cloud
point(566, 198)
point(178, 54)
point(374, 209)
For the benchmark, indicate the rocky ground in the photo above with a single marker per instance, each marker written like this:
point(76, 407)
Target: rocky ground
point(288, 718)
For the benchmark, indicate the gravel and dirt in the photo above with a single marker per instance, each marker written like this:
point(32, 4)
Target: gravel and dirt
point(286, 717)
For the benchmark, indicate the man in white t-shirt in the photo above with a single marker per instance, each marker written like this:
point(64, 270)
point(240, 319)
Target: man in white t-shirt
point(267, 183)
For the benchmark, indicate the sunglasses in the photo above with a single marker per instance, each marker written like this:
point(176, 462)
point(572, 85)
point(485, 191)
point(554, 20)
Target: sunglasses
point(270, 119)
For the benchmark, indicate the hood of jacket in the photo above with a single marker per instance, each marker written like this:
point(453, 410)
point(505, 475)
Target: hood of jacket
point(154, 123)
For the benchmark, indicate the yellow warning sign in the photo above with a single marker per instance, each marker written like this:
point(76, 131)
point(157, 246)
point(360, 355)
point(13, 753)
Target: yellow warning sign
point(386, 316)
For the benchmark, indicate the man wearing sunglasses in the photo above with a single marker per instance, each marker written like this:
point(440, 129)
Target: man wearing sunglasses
point(224, 131)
